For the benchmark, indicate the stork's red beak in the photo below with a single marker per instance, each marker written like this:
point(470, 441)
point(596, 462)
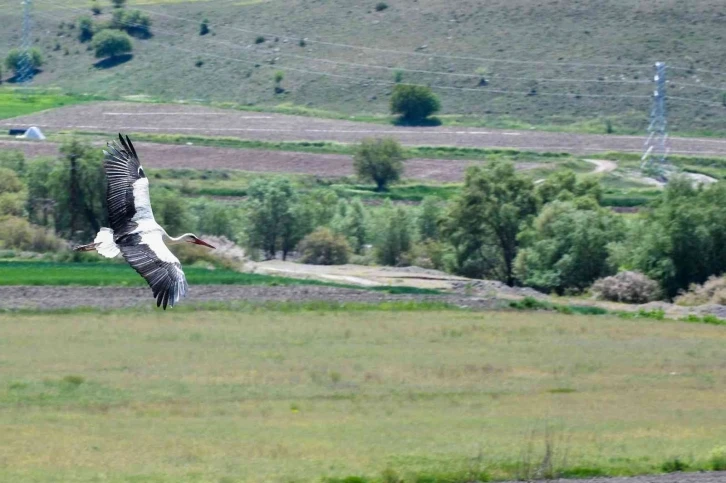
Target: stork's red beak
point(202, 242)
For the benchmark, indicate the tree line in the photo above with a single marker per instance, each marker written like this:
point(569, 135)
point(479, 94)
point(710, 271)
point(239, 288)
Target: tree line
point(553, 236)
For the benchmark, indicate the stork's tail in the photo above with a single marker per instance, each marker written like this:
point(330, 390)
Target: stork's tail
point(103, 244)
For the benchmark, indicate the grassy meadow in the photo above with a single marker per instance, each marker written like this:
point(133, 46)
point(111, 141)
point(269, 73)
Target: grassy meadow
point(421, 396)
point(19, 102)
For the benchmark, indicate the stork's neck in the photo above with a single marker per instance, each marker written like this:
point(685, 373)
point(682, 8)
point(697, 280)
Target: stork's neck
point(170, 240)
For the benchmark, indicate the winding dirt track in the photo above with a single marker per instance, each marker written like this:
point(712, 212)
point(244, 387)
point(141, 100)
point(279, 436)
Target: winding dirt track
point(200, 120)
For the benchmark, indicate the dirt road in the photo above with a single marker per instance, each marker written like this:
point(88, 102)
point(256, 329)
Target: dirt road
point(17, 297)
point(159, 156)
point(200, 120)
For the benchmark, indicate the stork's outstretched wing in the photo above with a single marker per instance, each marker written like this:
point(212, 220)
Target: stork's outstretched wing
point(128, 187)
point(151, 258)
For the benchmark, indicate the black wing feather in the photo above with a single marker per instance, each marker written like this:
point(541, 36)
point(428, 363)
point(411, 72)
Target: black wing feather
point(166, 279)
point(122, 167)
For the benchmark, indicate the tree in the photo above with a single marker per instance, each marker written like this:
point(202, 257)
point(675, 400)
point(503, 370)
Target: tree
point(118, 3)
point(428, 219)
point(414, 103)
point(108, 43)
point(354, 226)
point(15, 58)
point(379, 160)
point(680, 240)
point(171, 211)
point(395, 237)
point(566, 249)
point(565, 185)
point(85, 29)
point(323, 247)
point(275, 222)
point(483, 221)
point(134, 22)
point(12, 194)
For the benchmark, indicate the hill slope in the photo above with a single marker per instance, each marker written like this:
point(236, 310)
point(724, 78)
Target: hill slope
point(228, 65)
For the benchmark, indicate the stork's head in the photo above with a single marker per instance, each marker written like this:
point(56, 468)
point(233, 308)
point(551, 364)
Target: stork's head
point(192, 238)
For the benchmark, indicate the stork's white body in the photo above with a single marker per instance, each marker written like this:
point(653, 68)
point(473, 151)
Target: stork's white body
point(134, 233)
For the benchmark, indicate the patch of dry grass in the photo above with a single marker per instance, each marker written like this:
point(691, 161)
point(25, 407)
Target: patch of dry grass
point(270, 396)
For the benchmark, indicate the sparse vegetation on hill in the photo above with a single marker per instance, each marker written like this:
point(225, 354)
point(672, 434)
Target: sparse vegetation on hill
point(441, 36)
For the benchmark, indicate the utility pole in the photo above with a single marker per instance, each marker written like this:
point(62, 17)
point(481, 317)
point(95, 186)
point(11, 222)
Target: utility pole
point(654, 160)
point(26, 71)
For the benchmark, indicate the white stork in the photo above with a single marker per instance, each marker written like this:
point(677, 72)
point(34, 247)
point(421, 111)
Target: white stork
point(134, 233)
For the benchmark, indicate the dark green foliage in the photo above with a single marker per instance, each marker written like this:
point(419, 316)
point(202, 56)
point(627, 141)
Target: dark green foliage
point(134, 22)
point(484, 220)
point(275, 222)
point(14, 59)
point(95, 8)
point(414, 103)
point(565, 185)
point(86, 29)
point(381, 6)
point(109, 43)
point(567, 248)
point(680, 240)
point(323, 247)
point(428, 219)
point(118, 3)
point(171, 211)
point(394, 236)
point(204, 27)
point(354, 226)
point(675, 465)
point(259, 39)
point(379, 160)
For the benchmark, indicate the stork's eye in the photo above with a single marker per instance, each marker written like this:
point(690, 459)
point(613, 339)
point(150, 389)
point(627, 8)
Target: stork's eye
point(141, 172)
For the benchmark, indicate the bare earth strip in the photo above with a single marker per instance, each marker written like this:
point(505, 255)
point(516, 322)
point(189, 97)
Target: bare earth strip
point(32, 297)
point(158, 156)
point(187, 119)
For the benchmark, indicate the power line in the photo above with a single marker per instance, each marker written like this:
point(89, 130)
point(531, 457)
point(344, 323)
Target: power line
point(388, 83)
point(400, 69)
point(399, 52)
point(686, 69)
point(700, 86)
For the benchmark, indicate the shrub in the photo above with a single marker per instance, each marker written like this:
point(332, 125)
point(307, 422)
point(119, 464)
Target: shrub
point(628, 287)
point(95, 8)
point(414, 103)
point(118, 3)
point(134, 22)
point(381, 6)
point(395, 238)
point(323, 247)
point(108, 43)
point(85, 29)
point(204, 27)
point(718, 459)
point(675, 465)
point(713, 291)
point(14, 60)
point(379, 160)
point(260, 39)
point(19, 234)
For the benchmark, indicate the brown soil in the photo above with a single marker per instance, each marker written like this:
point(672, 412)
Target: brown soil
point(17, 297)
point(188, 119)
point(155, 155)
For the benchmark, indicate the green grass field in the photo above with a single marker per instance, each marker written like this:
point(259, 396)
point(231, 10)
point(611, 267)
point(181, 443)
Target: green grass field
point(425, 396)
point(112, 274)
point(18, 102)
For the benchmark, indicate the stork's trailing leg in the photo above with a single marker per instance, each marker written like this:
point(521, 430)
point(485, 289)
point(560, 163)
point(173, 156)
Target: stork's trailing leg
point(103, 244)
point(86, 248)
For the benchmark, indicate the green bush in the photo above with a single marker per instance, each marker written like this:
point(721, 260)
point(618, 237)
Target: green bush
point(379, 160)
point(204, 27)
point(414, 103)
point(118, 3)
point(86, 29)
point(381, 6)
point(260, 39)
point(108, 43)
point(14, 59)
point(717, 458)
point(323, 247)
point(19, 234)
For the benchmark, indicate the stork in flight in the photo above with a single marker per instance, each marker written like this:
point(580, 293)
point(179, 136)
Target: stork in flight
point(134, 233)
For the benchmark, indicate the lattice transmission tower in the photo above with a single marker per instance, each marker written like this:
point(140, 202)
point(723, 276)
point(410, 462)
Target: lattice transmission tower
point(655, 159)
point(26, 70)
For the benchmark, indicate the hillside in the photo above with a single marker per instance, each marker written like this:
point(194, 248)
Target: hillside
point(228, 65)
